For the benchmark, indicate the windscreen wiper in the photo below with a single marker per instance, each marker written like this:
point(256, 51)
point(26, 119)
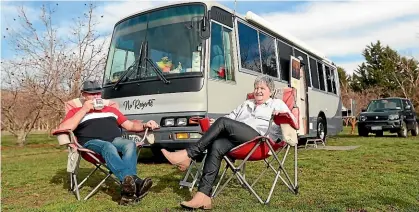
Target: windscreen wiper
point(157, 70)
point(130, 69)
point(154, 67)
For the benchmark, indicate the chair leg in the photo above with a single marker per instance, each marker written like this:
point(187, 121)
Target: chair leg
point(70, 188)
point(244, 171)
point(184, 182)
point(195, 176)
point(94, 190)
point(281, 167)
point(87, 177)
point(219, 181)
point(239, 175)
point(74, 177)
point(272, 188)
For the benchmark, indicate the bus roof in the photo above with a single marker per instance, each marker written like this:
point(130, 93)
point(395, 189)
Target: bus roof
point(252, 18)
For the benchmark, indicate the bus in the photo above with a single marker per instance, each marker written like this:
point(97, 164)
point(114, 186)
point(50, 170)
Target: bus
point(200, 59)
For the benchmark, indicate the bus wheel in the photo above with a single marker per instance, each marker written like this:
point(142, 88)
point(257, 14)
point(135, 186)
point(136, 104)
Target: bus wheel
point(321, 128)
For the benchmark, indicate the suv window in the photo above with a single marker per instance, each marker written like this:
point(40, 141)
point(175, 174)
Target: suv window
point(382, 105)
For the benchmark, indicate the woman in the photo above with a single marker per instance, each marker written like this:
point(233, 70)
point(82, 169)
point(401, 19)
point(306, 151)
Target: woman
point(247, 121)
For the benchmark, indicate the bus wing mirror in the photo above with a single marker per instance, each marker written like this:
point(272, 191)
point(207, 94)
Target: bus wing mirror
point(204, 31)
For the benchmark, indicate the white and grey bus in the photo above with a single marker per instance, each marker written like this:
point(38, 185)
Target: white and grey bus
point(182, 60)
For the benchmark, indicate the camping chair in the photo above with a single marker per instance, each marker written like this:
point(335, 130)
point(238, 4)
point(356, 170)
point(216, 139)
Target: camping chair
point(76, 152)
point(261, 148)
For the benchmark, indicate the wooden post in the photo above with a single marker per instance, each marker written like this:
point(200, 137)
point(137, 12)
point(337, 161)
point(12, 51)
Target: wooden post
point(353, 124)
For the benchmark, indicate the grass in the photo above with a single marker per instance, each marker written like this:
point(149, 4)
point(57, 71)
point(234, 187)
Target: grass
point(381, 175)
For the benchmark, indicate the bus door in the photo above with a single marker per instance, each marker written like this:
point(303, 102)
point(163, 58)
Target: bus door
point(298, 82)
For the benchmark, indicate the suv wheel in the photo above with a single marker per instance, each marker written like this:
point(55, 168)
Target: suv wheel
point(403, 130)
point(415, 130)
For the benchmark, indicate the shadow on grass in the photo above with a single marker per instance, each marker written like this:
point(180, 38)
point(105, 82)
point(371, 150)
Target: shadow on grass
point(169, 180)
point(110, 187)
point(369, 136)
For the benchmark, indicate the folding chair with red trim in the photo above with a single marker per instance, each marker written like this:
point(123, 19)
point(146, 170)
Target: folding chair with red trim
point(76, 152)
point(264, 148)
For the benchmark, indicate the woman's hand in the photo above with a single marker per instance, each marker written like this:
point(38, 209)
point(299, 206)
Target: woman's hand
point(276, 112)
point(212, 121)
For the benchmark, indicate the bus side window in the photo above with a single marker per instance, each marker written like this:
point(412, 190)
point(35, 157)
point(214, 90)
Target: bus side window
point(334, 80)
point(306, 67)
point(314, 73)
point(329, 79)
point(268, 55)
point(221, 66)
point(321, 76)
point(284, 52)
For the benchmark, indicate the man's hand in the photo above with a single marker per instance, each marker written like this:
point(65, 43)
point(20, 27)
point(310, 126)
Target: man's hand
point(151, 124)
point(88, 105)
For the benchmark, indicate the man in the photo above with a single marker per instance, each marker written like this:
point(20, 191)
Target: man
point(99, 131)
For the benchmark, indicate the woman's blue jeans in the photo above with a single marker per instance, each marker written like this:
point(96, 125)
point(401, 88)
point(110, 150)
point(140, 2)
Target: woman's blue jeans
point(121, 167)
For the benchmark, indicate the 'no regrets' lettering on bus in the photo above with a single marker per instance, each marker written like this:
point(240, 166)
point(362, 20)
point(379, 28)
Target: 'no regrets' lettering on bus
point(137, 104)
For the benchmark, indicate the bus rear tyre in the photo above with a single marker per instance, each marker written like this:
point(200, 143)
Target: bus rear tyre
point(321, 128)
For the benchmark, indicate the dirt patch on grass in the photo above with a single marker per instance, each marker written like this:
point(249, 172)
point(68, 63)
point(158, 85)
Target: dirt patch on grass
point(26, 198)
point(341, 148)
point(28, 146)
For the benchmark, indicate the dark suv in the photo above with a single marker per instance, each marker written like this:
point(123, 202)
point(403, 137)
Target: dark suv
point(396, 115)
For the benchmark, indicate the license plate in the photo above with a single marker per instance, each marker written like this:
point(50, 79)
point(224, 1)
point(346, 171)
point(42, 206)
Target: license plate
point(133, 137)
point(376, 128)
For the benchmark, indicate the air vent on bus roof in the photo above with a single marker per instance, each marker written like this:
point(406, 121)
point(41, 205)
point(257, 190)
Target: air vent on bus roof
point(222, 16)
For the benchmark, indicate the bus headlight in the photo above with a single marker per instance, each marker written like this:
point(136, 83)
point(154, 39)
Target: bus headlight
point(393, 117)
point(181, 122)
point(169, 122)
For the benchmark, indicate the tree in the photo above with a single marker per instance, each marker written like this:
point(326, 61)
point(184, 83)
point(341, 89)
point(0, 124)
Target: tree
point(344, 79)
point(344, 82)
point(385, 73)
point(405, 75)
point(373, 73)
point(48, 69)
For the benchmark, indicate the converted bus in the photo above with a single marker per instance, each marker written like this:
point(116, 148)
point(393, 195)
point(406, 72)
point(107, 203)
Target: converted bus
point(183, 60)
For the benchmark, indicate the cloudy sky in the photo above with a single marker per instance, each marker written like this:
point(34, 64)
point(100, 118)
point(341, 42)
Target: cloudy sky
point(339, 29)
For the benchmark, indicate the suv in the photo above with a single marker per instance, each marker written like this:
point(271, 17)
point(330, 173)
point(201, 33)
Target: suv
point(396, 115)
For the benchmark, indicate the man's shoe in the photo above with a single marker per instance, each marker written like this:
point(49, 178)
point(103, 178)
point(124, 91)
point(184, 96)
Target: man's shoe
point(128, 189)
point(127, 200)
point(143, 186)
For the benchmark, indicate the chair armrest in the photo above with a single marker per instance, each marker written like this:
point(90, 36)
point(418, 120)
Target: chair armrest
point(66, 137)
point(61, 131)
point(285, 118)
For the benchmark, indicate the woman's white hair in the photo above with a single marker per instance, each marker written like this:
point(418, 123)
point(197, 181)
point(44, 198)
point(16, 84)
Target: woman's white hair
point(267, 80)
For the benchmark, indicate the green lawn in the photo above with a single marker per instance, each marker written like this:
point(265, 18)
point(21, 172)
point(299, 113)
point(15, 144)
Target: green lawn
point(381, 175)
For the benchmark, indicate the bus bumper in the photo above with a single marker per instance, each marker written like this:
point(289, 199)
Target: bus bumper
point(170, 138)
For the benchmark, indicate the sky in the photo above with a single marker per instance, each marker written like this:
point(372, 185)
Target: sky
point(338, 29)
